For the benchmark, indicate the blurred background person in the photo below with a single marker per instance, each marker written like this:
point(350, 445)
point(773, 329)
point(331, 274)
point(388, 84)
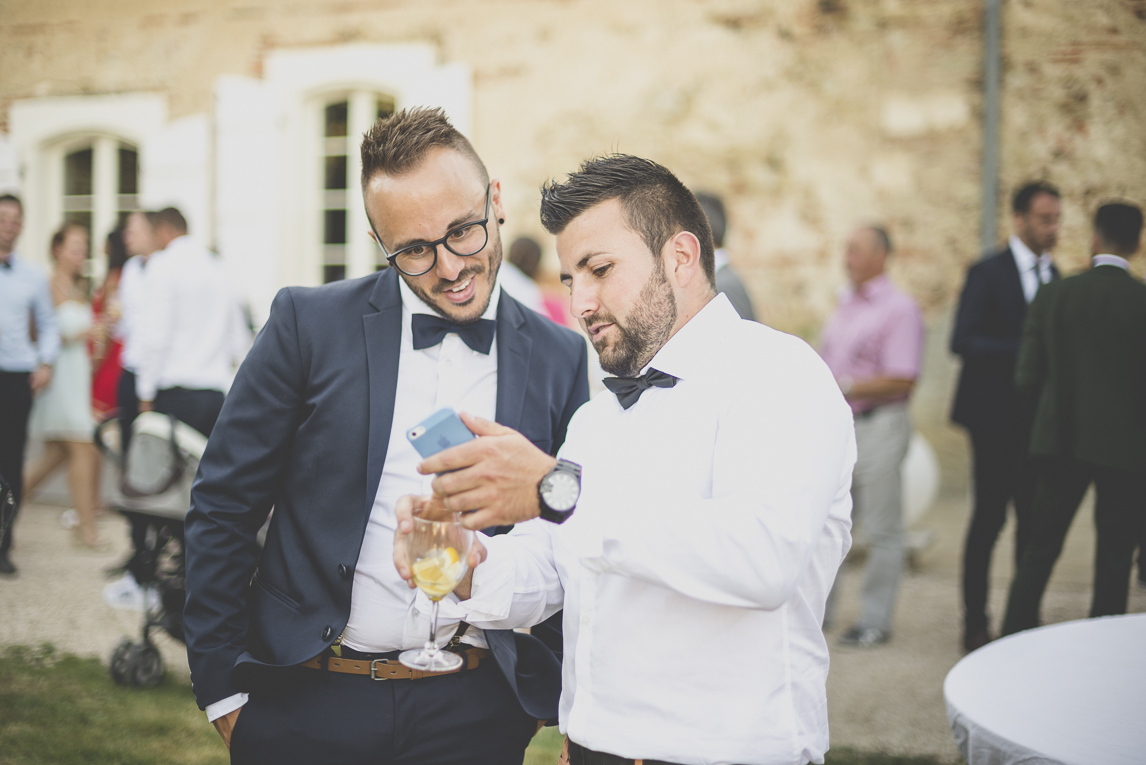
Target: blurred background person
point(525, 256)
point(191, 329)
point(62, 413)
point(106, 345)
point(518, 274)
point(141, 243)
point(25, 365)
point(1083, 364)
point(727, 281)
point(988, 328)
point(873, 344)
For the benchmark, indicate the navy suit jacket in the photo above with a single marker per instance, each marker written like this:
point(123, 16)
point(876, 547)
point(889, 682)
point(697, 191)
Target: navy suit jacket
point(988, 330)
point(305, 430)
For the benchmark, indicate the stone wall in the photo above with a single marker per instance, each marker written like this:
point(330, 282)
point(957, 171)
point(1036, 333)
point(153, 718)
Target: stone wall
point(810, 116)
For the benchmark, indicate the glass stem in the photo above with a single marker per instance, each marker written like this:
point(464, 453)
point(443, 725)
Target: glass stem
point(432, 643)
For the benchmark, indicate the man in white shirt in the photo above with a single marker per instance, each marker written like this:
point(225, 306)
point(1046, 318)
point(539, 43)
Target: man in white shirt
point(190, 329)
point(714, 506)
point(139, 239)
point(287, 643)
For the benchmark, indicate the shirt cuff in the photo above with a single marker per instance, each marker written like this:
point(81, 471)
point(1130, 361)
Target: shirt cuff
point(491, 594)
point(225, 707)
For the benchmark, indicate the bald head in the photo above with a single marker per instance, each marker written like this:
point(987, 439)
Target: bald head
point(867, 251)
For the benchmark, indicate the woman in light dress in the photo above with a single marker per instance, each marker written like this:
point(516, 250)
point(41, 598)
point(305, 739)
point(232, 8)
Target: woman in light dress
point(62, 413)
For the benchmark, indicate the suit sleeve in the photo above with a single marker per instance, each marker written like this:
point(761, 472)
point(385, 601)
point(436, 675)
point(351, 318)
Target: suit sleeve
point(239, 477)
point(973, 334)
point(577, 396)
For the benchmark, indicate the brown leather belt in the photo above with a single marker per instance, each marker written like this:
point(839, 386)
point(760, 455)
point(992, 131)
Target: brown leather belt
point(390, 669)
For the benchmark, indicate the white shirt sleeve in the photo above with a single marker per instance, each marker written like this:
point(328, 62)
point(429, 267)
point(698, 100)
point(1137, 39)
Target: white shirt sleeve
point(225, 706)
point(153, 326)
point(518, 584)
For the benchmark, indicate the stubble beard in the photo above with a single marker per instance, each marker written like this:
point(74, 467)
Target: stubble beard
point(476, 270)
point(645, 331)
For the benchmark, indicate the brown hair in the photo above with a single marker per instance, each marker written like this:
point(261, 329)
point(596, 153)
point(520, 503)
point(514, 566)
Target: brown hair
point(62, 234)
point(397, 144)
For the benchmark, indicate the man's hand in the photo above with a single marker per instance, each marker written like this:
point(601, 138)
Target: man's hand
point(40, 378)
point(226, 724)
point(493, 480)
point(407, 509)
point(146, 406)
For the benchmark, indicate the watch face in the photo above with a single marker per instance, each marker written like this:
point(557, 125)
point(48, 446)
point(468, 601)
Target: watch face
point(561, 491)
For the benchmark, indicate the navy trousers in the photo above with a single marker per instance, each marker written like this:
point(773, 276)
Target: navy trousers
point(306, 716)
point(15, 405)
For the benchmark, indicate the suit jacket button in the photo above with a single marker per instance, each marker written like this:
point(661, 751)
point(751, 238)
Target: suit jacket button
point(343, 571)
point(327, 633)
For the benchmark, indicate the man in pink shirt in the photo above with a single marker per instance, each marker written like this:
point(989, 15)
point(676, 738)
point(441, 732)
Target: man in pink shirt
point(873, 344)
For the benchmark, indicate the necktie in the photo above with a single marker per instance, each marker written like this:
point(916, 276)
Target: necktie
point(629, 389)
point(429, 331)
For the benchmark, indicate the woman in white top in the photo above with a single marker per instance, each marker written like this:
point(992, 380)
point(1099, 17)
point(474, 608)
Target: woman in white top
point(62, 414)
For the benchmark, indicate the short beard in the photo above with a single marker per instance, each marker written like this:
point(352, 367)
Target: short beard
point(646, 329)
point(476, 270)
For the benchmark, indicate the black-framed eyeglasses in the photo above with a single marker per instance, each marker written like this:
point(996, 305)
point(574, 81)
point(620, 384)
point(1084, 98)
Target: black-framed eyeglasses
point(464, 240)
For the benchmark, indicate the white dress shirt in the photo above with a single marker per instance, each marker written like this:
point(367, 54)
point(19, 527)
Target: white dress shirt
point(712, 520)
point(131, 293)
point(385, 614)
point(190, 329)
point(1034, 270)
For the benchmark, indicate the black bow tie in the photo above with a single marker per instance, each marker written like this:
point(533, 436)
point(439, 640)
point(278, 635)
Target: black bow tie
point(629, 389)
point(429, 331)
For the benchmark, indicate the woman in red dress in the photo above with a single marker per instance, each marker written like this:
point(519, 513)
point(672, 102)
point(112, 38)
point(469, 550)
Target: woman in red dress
point(106, 346)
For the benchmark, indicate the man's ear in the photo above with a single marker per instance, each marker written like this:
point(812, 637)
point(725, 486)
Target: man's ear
point(682, 258)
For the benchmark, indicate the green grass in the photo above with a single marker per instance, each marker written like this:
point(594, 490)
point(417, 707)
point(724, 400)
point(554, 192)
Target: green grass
point(63, 710)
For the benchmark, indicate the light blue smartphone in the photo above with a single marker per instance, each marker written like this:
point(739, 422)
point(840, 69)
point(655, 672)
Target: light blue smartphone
point(439, 431)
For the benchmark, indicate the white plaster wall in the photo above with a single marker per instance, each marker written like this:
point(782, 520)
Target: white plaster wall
point(9, 167)
point(175, 171)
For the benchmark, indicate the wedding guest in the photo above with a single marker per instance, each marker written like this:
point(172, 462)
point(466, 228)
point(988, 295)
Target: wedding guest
point(315, 425)
point(106, 346)
point(708, 495)
point(727, 280)
point(1082, 364)
point(62, 414)
point(25, 365)
point(525, 255)
point(988, 328)
point(873, 344)
point(519, 282)
point(140, 242)
point(190, 329)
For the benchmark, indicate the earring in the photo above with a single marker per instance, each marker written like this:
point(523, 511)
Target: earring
point(501, 220)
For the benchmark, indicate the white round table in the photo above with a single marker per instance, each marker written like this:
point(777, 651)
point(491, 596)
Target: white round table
point(1068, 694)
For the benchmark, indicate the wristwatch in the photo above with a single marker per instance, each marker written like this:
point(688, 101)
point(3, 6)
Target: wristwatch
point(559, 490)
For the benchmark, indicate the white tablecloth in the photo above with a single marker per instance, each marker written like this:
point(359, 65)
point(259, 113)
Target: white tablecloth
point(1069, 694)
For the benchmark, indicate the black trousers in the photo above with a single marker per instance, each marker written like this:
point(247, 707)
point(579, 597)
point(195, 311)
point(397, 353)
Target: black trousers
point(128, 405)
point(1004, 475)
point(1119, 513)
point(307, 716)
point(15, 406)
point(198, 408)
point(579, 755)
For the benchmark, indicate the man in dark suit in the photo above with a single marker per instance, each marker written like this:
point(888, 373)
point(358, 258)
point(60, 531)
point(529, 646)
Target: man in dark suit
point(285, 643)
point(988, 328)
point(1083, 364)
point(727, 281)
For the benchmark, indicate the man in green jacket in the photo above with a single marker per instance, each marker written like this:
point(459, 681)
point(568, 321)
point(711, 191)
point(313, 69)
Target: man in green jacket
point(1082, 365)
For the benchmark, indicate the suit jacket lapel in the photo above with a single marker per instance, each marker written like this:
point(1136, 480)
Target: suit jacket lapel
point(514, 348)
point(1014, 281)
point(383, 332)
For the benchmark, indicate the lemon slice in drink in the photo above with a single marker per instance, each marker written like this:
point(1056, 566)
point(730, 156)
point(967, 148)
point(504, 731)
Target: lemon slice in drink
point(438, 573)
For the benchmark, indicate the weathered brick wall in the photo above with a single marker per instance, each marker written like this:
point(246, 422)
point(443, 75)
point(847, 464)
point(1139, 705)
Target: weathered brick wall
point(809, 115)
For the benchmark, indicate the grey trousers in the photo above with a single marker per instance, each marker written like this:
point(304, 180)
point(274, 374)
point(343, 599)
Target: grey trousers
point(882, 438)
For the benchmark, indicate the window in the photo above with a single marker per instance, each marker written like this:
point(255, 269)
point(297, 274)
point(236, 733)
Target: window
point(344, 119)
point(100, 189)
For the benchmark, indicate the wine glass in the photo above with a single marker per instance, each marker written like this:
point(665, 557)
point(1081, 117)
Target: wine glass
point(438, 553)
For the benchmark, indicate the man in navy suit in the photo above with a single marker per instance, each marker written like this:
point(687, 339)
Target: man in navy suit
point(988, 328)
point(286, 643)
